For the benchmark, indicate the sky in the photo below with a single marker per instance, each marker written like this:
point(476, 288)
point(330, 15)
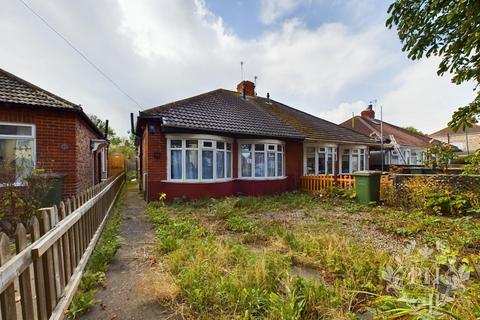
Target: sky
point(326, 57)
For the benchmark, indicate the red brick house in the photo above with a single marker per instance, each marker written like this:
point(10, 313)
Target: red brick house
point(51, 133)
point(224, 143)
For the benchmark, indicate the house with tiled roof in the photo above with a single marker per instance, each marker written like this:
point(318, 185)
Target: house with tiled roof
point(401, 146)
point(224, 143)
point(467, 141)
point(45, 131)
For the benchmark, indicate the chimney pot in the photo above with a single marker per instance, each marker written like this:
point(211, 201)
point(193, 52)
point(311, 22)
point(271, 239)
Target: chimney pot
point(368, 112)
point(268, 97)
point(248, 87)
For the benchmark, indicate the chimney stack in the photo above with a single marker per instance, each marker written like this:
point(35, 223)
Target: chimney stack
point(368, 113)
point(246, 88)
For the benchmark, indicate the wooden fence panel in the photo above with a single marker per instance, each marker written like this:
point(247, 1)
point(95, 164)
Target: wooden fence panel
point(63, 239)
point(25, 281)
point(7, 297)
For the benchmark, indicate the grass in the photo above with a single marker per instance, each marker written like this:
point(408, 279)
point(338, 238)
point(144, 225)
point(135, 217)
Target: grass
point(99, 262)
point(239, 258)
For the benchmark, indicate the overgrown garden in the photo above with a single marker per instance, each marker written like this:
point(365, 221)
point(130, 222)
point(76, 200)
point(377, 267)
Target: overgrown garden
point(299, 256)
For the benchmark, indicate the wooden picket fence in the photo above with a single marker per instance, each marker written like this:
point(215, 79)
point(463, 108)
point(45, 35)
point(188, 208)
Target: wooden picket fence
point(320, 183)
point(345, 182)
point(40, 280)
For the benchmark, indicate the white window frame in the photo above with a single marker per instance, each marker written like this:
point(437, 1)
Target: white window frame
point(317, 151)
point(200, 139)
point(350, 155)
point(24, 137)
point(266, 144)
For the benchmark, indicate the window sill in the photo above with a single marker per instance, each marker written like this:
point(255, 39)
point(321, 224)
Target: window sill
point(262, 178)
point(198, 181)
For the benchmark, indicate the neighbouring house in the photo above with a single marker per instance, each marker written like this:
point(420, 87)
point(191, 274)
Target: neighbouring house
point(51, 133)
point(467, 142)
point(224, 143)
point(401, 146)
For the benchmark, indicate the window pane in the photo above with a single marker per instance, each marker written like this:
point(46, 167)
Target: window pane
point(208, 144)
point(246, 160)
point(192, 143)
point(207, 164)
point(259, 164)
point(176, 144)
point(271, 164)
point(259, 147)
point(362, 162)
point(330, 163)
point(271, 147)
point(345, 163)
point(220, 145)
point(321, 163)
point(311, 163)
point(176, 164)
point(17, 130)
point(220, 164)
point(229, 146)
point(280, 164)
point(354, 162)
point(280, 147)
point(229, 164)
point(191, 165)
point(16, 158)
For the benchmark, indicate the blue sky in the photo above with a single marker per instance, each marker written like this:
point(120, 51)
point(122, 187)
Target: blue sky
point(328, 58)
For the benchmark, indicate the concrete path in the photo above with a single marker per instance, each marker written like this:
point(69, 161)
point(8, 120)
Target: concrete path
point(123, 296)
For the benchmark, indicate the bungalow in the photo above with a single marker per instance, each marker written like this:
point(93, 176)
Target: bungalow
point(402, 147)
point(467, 142)
point(224, 143)
point(48, 132)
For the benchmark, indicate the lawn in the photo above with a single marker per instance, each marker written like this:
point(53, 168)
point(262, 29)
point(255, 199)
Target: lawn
point(298, 256)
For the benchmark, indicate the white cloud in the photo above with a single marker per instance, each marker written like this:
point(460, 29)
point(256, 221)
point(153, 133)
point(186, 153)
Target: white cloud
point(272, 10)
point(162, 52)
point(420, 99)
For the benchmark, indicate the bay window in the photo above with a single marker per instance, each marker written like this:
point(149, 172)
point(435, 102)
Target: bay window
point(261, 160)
point(354, 159)
point(320, 160)
point(17, 149)
point(193, 160)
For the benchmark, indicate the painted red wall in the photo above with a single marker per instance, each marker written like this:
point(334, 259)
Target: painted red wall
point(154, 162)
point(62, 144)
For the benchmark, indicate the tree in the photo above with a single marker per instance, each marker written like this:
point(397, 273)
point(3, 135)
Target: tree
point(439, 155)
point(112, 135)
point(444, 28)
point(414, 130)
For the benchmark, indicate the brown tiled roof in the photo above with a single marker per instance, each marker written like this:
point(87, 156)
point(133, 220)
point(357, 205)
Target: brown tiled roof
point(402, 136)
point(16, 90)
point(448, 130)
point(226, 111)
point(313, 128)
point(223, 111)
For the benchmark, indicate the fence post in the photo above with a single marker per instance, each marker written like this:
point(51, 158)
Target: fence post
point(7, 298)
point(39, 275)
point(24, 278)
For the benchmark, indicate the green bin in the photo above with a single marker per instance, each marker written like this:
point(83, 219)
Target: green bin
point(367, 186)
point(54, 194)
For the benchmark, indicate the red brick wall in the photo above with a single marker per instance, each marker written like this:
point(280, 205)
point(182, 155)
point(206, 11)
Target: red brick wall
point(86, 175)
point(62, 144)
point(156, 168)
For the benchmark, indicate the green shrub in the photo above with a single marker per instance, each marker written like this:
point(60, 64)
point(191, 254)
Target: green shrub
point(446, 203)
